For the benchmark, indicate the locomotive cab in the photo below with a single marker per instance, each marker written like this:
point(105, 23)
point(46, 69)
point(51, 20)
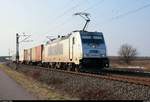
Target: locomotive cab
point(94, 49)
point(90, 48)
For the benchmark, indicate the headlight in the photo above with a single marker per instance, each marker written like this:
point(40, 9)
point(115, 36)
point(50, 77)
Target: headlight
point(103, 55)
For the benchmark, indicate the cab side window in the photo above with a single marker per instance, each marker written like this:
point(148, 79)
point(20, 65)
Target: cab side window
point(73, 40)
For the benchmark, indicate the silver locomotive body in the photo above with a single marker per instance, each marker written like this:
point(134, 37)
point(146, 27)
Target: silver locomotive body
point(78, 50)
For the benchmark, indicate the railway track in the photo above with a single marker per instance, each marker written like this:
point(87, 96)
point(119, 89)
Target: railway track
point(121, 78)
point(145, 81)
point(128, 73)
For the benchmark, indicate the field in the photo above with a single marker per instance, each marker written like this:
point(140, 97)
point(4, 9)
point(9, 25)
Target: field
point(142, 62)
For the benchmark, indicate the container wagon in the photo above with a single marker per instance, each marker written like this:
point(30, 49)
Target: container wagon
point(33, 55)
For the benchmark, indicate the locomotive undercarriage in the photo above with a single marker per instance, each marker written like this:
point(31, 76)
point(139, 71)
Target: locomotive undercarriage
point(86, 64)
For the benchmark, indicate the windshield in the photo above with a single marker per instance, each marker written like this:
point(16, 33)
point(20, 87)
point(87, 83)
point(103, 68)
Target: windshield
point(92, 39)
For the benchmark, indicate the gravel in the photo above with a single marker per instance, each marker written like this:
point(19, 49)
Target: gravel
point(87, 88)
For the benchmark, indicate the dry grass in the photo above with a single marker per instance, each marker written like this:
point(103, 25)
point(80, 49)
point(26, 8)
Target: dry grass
point(142, 63)
point(63, 84)
point(41, 91)
point(69, 85)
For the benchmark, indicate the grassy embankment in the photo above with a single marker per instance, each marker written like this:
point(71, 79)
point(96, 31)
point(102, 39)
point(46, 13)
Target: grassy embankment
point(39, 90)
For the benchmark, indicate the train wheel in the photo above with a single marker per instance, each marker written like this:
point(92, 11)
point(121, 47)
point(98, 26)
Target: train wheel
point(68, 69)
point(77, 68)
point(54, 66)
point(50, 65)
point(65, 66)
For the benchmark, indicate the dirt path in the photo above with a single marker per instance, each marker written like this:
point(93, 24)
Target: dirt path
point(10, 90)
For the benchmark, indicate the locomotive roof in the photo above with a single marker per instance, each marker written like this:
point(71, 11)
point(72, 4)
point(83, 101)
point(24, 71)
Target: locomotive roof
point(59, 38)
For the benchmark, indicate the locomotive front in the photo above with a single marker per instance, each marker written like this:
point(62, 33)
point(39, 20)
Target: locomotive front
point(94, 50)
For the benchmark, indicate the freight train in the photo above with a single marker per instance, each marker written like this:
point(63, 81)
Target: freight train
point(79, 50)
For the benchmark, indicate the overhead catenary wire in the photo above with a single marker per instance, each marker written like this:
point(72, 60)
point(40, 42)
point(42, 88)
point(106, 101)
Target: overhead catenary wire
point(122, 15)
point(91, 7)
point(25, 39)
point(63, 14)
point(131, 12)
point(94, 5)
point(66, 11)
point(126, 13)
point(69, 18)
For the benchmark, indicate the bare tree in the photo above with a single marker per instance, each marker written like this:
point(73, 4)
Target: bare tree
point(127, 53)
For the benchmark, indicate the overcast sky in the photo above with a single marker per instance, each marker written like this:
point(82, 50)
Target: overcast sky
point(121, 21)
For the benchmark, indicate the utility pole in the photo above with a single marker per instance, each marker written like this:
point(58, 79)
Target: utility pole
point(17, 48)
point(17, 45)
point(9, 54)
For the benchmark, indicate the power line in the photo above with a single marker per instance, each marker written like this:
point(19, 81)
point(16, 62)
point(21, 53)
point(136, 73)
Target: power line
point(64, 13)
point(91, 7)
point(131, 12)
point(127, 13)
point(61, 15)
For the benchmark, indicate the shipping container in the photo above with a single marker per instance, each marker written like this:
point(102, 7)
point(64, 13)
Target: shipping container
point(38, 52)
point(33, 54)
point(29, 55)
point(25, 55)
point(21, 56)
